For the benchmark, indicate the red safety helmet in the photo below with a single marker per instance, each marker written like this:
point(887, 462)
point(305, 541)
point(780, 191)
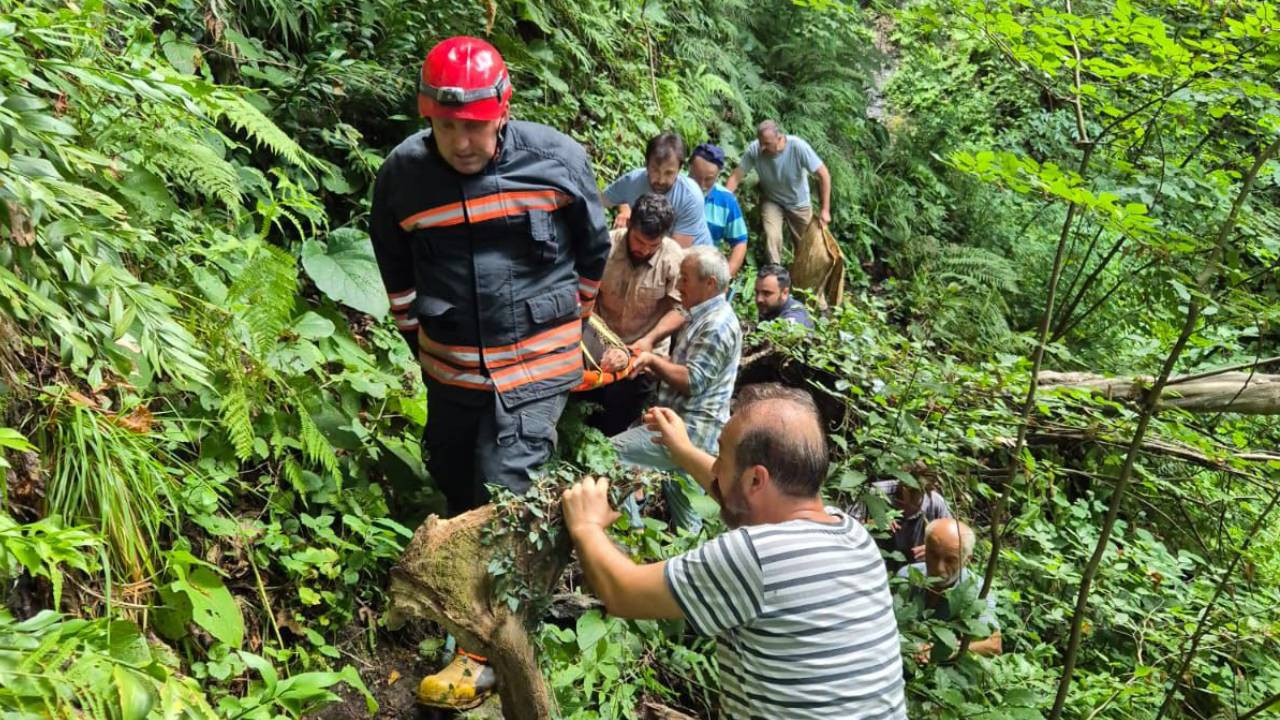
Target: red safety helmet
point(464, 78)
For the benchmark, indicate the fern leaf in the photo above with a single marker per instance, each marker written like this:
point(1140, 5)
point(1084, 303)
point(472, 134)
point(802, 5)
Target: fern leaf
point(237, 420)
point(314, 444)
point(184, 156)
point(292, 473)
point(252, 122)
point(263, 296)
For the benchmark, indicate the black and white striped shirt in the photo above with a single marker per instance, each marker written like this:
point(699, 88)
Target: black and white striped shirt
point(803, 620)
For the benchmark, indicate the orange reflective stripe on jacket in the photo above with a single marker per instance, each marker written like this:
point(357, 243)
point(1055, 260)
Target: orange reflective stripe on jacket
point(444, 372)
point(548, 355)
point(489, 207)
point(554, 365)
point(501, 356)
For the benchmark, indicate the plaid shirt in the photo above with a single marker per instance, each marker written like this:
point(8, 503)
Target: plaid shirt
point(710, 345)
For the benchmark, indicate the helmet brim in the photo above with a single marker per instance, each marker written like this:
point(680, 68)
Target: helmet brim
point(490, 109)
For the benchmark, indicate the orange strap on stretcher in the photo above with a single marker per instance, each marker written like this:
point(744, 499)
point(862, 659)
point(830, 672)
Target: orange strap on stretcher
point(593, 376)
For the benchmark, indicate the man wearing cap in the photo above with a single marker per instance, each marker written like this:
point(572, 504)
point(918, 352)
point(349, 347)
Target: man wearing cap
point(491, 242)
point(724, 215)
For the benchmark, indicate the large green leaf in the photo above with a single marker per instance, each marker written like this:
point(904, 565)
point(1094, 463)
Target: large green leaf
point(591, 627)
point(345, 270)
point(198, 595)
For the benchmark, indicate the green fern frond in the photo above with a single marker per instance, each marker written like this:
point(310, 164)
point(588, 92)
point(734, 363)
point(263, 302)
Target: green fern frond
point(184, 156)
point(292, 473)
point(263, 296)
point(977, 267)
point(237, 420)
point(252, 122)
point(315, 445)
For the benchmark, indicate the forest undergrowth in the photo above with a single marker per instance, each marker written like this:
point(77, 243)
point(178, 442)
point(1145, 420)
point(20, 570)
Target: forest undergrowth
point(209, 426)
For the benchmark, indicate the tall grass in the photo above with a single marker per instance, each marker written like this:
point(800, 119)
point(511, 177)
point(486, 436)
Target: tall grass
point(119, 481)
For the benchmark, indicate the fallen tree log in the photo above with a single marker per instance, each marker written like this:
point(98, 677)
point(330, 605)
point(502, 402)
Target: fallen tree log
point(1237, 392)
point(1222, 460)
point(443, 576)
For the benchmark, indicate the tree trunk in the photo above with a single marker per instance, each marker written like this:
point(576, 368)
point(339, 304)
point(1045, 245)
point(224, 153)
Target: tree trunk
point(443, 576)
point(1237, 392)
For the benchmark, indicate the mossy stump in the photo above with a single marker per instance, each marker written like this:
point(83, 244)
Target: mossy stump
point(443, 577)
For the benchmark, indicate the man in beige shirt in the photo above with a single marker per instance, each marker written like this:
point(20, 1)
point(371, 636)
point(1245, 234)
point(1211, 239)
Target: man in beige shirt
point(639, 301)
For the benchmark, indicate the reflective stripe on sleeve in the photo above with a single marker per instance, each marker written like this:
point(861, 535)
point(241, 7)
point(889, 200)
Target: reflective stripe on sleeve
point(489, 207)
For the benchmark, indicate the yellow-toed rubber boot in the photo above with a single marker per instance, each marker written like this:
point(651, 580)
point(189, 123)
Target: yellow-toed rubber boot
point(461, 685)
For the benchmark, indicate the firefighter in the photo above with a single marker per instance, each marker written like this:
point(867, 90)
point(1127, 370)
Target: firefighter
point(491, 241)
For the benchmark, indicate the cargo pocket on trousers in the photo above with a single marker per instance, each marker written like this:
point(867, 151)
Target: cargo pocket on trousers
point(531, 429)
point(536, 429)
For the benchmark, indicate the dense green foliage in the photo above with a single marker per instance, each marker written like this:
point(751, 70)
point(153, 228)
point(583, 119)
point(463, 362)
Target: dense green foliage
point(214, 418)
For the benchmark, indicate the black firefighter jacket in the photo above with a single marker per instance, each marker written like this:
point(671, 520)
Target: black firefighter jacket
point(491, 274)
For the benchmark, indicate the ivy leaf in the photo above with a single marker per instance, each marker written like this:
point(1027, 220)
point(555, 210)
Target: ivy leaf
point(346, 270)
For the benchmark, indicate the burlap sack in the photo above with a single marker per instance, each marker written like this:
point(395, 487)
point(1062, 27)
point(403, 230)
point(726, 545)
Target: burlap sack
point(819, 265)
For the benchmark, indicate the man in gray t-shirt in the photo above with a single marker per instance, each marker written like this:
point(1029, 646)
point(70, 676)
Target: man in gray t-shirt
point(663, 158)
point(784, 163)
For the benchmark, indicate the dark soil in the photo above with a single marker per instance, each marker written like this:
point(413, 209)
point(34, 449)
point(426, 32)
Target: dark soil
point(392, 672)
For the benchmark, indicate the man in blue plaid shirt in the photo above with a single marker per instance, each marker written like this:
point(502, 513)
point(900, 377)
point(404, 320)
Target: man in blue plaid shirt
point(697, 381)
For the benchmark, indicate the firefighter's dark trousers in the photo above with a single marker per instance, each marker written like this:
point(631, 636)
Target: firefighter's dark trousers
point(473, 439)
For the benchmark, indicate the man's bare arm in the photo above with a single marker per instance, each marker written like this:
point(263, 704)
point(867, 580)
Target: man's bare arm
point(737, 256)
point(671, 321)
point(673, 374)
point(673, 434)
point(824, 192)
point(735, 179)
point(628, 590)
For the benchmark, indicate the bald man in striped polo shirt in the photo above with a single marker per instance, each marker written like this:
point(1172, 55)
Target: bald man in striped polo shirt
point(795, 594)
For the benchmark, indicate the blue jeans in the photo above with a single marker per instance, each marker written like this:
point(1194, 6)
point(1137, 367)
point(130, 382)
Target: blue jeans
point(636, 448)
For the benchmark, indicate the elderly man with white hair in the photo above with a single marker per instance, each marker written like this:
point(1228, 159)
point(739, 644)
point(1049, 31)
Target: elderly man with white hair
point(948, 547)
point(697, 380)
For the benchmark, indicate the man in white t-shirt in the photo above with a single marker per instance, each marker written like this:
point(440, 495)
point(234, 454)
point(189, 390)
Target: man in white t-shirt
point(796, 594)
point(784, 163)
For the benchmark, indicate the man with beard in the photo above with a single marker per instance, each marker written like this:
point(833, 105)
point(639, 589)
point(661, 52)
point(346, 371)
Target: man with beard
point(943, 587)
point(795, 594)
point(773, 297)
point(663, 159)
point(640, 302)
point(697, 380)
